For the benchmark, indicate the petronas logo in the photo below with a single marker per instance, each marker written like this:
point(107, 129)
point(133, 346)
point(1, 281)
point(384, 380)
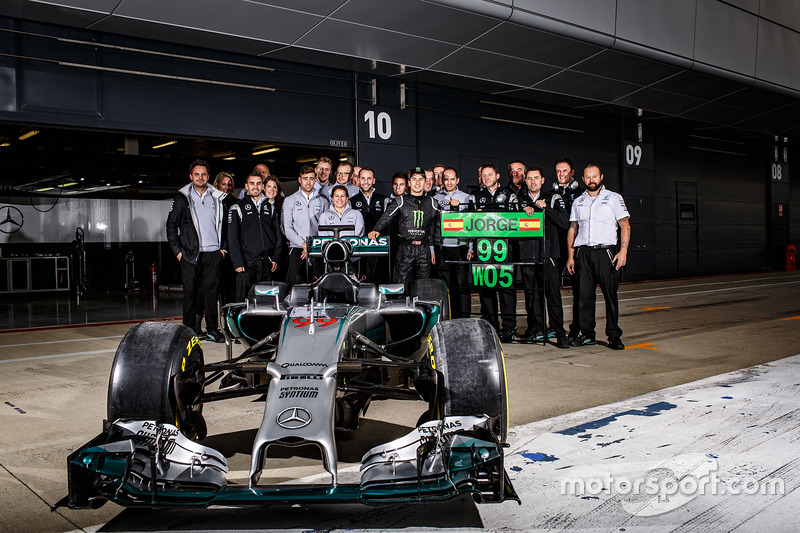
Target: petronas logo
point(418, 218)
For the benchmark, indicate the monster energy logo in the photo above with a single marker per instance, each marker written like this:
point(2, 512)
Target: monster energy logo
point(418, 218)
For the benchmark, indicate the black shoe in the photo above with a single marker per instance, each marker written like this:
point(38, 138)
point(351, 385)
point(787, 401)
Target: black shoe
point(530, 335)
point(583, 340)
point(551, 333)
point(615, 343)
point(562, 342)
point(506, 336)
point(215, 335)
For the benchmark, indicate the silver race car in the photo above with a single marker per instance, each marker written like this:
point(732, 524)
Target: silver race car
point(320, 353)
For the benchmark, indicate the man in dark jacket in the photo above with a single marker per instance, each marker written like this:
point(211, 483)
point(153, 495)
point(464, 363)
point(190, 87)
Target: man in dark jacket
point(418, 223)
point(196, 232)
point(494, 197)
point(371, 203)
point(254, 238)
point(569, 189)
point(545, 251)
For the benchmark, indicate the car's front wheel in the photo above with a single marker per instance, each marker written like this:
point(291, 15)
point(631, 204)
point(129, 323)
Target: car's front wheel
point(467, 356)
point(157, 375)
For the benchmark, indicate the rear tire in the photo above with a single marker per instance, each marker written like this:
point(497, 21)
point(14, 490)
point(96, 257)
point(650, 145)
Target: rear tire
point(467, 355)
point(157, 375)
point(433, 290)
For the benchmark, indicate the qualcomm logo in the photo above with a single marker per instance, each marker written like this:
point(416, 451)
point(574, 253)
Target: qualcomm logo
point(294, 418)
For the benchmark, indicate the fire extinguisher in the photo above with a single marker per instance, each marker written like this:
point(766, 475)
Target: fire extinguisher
point(153, 278)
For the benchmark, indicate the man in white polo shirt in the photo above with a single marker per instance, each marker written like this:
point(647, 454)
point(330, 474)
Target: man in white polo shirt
point(592, 255)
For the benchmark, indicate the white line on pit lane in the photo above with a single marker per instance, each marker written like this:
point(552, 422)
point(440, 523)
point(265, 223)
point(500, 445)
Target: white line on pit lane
point(698, 285)
point(62, 341)
point(54, 356)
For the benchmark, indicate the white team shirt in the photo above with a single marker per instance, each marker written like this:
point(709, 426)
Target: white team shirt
point(597, 217)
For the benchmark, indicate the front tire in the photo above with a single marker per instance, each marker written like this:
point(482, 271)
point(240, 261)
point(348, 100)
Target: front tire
point(466, 354)
point(157, 375)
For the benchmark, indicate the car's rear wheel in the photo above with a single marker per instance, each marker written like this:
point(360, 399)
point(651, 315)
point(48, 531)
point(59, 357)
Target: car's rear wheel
point(467, 356)
point(157, 375)
point(433, 290)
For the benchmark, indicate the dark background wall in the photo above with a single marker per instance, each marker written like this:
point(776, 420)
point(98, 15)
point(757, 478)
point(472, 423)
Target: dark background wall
point(724, 186)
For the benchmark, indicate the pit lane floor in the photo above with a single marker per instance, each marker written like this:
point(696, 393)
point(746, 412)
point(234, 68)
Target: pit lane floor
point(580, 415)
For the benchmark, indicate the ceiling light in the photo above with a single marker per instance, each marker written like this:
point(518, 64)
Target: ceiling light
point(5, 144)
point(162, 145)
point(44, 189)
point(308, 160)
point(229, 158)
point(68, 184)
point(266, 150)
point(28, 135)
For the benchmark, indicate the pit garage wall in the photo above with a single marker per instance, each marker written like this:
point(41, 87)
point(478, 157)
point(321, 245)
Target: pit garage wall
point(731, 180)
point(436, 125)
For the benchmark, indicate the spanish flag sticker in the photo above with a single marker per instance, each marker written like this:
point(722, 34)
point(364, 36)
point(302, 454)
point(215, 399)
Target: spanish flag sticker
point(453, 224)
point(532, 224)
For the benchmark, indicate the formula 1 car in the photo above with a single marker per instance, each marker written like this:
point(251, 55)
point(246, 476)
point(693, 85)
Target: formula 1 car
point(320, 353)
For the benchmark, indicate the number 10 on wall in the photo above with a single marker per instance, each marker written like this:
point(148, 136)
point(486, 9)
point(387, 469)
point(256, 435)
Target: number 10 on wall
point(380, 124)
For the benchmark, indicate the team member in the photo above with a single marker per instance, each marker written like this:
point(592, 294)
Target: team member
point(516, 176)
point(354, 176)
point(535, 199)
point(300, 218)
point(223, 182)
point(438, 175)
point(339, 213)
point(399, 185)
point(273, 191)
point(417, 216)
point(372, 204)
point(227, 280)
point(430, 186)
point(262, 170)
point(343, 173)
point(591, 240)
point(322, 172)
point(493, 197)
point(254, 237)
point(569, 189)
point(450, 198)
point(196, 232)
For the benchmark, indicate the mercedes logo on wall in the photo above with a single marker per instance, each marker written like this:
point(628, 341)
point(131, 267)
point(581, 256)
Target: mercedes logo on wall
point(294, 418)
point(11, 219)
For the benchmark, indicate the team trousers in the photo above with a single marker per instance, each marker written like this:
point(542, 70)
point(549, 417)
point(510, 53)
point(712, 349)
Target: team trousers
point(508, 308)
point(593, 266)
point(202, 277)
point(455, 277)
point(575, 325)
point(254, 271)
point(543, 284)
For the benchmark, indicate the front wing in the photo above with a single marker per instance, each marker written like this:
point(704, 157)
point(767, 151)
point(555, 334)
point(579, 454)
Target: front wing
point(146, 464)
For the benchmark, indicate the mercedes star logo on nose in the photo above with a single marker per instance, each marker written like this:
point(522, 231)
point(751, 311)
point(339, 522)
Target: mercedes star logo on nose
point(294, 418)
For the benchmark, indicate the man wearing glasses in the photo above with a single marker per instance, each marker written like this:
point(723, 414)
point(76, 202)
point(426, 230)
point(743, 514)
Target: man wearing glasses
point(343, 173)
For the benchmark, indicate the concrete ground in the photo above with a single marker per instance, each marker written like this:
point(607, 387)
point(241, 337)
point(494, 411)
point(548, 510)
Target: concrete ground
point(53, 387)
